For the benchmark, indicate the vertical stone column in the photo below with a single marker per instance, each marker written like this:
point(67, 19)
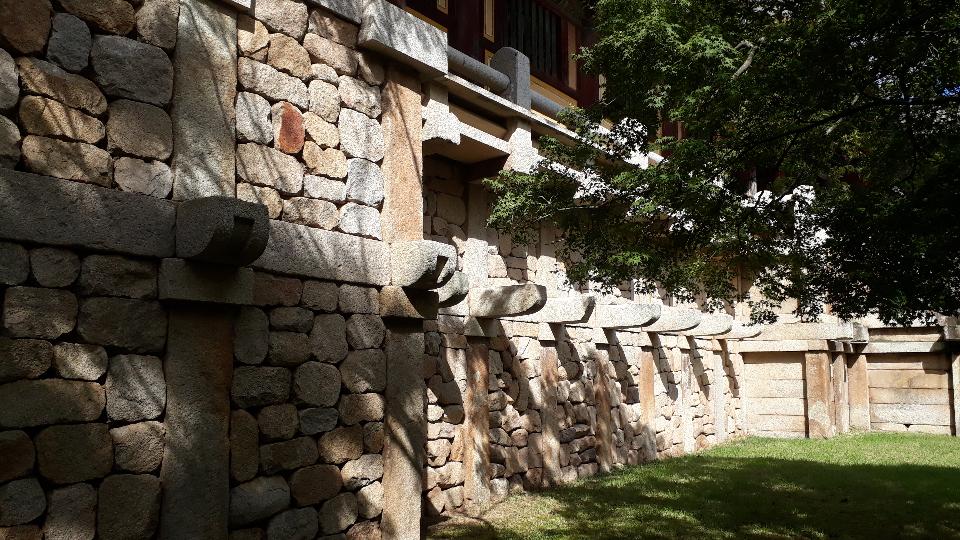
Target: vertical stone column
point(858, 387)
point(648, 398)
point(549, 421)
point(476, 441)
point(819, 398)
point(841, 400)
point(955, 390)
point(606, 431)
point(403, 157)
point(405, 428)
point(204, 92)
point(196, 458)
point(719, 390)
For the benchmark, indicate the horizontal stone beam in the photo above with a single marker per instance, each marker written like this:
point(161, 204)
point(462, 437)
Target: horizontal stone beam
point(399, 303)
point(786, 345)
point(506, 301)
point(711, 325)
point(307, 252)
point(402, 36)
point(900, 347)
point(51, 211)
point(562, 310)
point(793, 331)
point(624, 315)
point(673, 319)
point(739, 331)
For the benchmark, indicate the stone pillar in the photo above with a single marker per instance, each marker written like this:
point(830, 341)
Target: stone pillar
point(858, 387)
point(819, 398)
point(515, 65)
point(196, 458)
point(549, 421)
point(476, 440)
point(719, 389)
point(405, 428)
point(955, 390)
point(204, 92)
point(606, 430)
point(403, 157)
point(648, 397)
point(841, 400)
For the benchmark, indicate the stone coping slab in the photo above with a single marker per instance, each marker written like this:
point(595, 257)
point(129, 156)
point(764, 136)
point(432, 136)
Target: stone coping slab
point(397, 34)
point(562, 310)
point(674, 319)
point(624, 315)
point(802, 331)
point(711, 325)
point(506, 301)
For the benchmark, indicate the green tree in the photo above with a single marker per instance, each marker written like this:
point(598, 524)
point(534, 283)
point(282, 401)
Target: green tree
point(843, 116)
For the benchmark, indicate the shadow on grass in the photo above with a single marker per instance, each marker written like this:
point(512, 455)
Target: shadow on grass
point(711, 497)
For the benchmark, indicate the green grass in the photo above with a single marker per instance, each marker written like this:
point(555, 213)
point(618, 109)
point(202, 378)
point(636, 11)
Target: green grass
point(858, 486)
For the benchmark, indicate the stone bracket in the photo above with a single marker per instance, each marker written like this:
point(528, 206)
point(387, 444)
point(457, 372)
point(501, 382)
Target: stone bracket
point(624, 315)
point(562, 310)
point(506, 301)
point(674, 319)
point(739, 331)
point(455, 290)
point(711, 325)
point(221, 230)
point(422, 264)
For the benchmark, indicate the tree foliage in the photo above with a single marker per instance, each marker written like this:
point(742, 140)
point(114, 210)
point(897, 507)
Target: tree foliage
point(844, 115)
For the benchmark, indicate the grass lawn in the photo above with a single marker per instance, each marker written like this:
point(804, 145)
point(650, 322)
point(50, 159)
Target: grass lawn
point(858, 486)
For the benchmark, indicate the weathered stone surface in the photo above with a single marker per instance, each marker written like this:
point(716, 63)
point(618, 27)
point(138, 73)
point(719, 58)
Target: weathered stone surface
point(291, 319)
point(80, 361)
point(138, 448)
point(278, 421)
point(25, 25)
point(265, 166)
point(68, 454)
point(372, 70)
point(311, 212)
point(451, 208)
point(9, 143)
point(355, 299)
point(50, 80)
point(342, 59)
point(343, 32)
point(14, 264)
point(253, 118)
point(277, 291)
point(287, 55)
point(315, 484)
point(360, 135)
point(320, 295)
point(284, 16)
point(360, 220)
point(360, 96)
point(23, 358)
point(135, 387)
point(252, 35)
point(370, 500)
point(299, 250)
point(269, 82)
point(317, 420)
point(325, 73)
point(157, 22)
point(148, 178)
point(68, 160)
point(139, 129)
point(288, 349)
point(108, 275)
point(341, 445)
point(54, 267)
point(363, 471)
point(144, 330)
point(320, 131)
point(49, 401)
point(288, 132)
point(288, 455)
point(258, 499)
point(318, 187)
point(148, 79)
point(364, 371)
point(258, 386)
point(365, 331)
point(204, 160)
point(39, 313)
point(338, 513)
point(299, 524)
point(329, 338)
point(325, 100)
point(42, 116)
point(327, 162)
point(507, 300)
point(356, 408)
point(244, 446)
point(9, 81)
point(80, 215)
point(383, 29)
point(268, 197)
point(423, 264)
point(21, 532)
point(251, 335)
point(364, 182)
point(21, 501)
point(72, 513)
point(128, 506)
point(318, 384)
point(70, 42)
point(17, 455)
point(111, 16)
